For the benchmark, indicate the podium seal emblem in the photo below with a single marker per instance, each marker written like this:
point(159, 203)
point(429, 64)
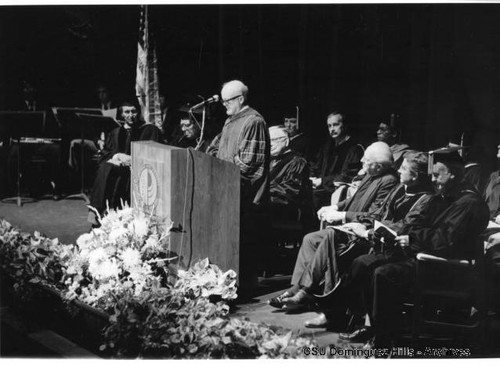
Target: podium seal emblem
point(147, 189)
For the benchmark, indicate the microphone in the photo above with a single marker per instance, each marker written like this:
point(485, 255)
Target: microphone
point(214, 98)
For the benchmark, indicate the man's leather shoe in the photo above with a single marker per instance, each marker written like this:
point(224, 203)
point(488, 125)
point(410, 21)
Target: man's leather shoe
point(300, 300)
point(278, 301)
point(318, 322)
point(358, 336)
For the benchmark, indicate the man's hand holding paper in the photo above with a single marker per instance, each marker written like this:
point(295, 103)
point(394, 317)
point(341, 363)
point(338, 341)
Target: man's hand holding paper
point(121, 159)
point(357, 228)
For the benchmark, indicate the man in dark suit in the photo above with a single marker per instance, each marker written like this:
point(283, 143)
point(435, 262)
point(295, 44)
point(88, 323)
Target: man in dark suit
point(373, 190)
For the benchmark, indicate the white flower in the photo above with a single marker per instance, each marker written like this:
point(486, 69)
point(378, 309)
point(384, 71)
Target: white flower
point(117, 233)
point(107, 269)
point(100, 267)
point(84, 240)
point(125, 212)
point(96, 257)
point(140, 226)
point(131, 258)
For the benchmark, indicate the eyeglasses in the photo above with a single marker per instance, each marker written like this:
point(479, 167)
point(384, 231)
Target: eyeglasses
point(226, 101)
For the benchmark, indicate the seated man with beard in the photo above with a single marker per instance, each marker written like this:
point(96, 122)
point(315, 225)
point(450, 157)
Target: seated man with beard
point(112, 183)
point(447, 226)
point(373, 191)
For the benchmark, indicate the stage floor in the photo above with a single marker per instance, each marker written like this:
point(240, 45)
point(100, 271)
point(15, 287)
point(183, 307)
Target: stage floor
point(67, 219)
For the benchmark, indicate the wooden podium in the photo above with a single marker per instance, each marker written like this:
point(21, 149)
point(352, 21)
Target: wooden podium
point(198, 192)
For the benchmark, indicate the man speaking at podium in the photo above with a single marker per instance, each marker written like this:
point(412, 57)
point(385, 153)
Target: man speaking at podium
point(245, 142)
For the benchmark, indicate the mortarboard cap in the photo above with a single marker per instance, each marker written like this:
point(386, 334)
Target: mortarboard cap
point(292, 112)
point(446, 155)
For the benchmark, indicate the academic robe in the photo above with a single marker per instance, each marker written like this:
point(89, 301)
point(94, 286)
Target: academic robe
point(398, 152)
point(450, 225)
point(492, 194)
point(245, 142)
point(112, 183)
point(370, 195)
point(335, 163)
point(299, 144)
point(290, 188)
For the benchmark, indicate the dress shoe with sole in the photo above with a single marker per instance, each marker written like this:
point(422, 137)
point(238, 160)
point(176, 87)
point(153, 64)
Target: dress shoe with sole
point(358, 336)
point(319, 321)
point(277, 302)
point(300, 300)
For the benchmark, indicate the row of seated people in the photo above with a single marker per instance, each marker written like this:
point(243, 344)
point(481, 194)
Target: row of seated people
point(336, 169)
point(353, 264)
point(291, 175)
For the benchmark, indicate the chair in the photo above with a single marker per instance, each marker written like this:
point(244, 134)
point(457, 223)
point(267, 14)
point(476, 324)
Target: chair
point(288, 227)
point(449, 298)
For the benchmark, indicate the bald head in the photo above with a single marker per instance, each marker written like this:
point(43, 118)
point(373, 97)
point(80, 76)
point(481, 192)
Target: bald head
point(234, 96)
point(377, 158)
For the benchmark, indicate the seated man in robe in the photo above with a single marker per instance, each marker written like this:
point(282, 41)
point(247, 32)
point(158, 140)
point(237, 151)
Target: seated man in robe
point(337, 161)
point(474, 171)
point(290, 186)
point(112, 183)
point(448, 226)
point(379, 181)
point(492, 194)
point(190, 134)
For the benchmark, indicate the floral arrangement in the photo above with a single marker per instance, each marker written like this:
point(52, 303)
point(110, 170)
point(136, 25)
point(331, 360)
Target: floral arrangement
point(170, 324)
point(123, 268)
point(128, 254)
point(31, 258)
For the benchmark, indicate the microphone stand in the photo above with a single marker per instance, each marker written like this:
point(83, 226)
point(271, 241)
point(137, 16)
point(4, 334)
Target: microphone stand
point(81, 195)
point(202, 131)
point(18, 199)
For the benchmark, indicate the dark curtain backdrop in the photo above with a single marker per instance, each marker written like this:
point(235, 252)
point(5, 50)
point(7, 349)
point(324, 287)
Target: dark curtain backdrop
point(435, 65)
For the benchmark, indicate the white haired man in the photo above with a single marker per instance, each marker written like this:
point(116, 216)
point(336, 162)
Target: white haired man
point(245, 142)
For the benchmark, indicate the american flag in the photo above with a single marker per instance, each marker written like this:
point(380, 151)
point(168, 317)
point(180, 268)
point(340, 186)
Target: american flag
point(147, 86)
